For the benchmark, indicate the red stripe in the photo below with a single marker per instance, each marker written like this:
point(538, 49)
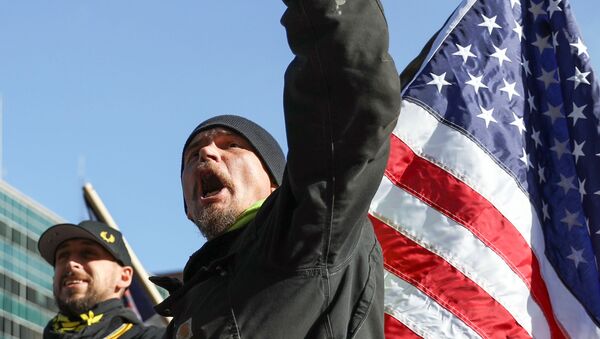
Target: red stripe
point(446, 285)
point(459, 202)
point(397, 330)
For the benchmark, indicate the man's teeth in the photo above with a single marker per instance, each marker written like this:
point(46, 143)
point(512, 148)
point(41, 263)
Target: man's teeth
point(73, 282)
point(210, 194)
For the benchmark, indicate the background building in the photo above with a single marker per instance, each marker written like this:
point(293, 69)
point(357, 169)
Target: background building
point(26, 301)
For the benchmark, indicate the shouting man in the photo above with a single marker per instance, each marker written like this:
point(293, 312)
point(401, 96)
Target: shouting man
point(290, 251)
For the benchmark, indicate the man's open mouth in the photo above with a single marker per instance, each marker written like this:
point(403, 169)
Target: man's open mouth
point(211, 185)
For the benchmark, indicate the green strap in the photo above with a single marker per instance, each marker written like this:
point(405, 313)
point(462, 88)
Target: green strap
point(246, 216)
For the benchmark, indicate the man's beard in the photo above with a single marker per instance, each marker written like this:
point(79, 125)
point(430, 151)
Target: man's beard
point(73, 307)
point(213, 222)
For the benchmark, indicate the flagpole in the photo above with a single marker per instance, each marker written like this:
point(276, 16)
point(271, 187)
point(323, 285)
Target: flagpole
point(101, 211)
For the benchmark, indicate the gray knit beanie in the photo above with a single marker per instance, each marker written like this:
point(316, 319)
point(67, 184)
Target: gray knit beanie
point(267, 148)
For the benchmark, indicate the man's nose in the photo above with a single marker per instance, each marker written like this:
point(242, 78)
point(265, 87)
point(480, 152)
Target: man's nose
point(210, 152)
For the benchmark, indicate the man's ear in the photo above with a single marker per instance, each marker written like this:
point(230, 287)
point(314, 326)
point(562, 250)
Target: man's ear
point(125, 277)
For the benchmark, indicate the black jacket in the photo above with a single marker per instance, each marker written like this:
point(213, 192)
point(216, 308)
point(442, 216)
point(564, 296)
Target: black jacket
point(109, 319)
point(309, 265)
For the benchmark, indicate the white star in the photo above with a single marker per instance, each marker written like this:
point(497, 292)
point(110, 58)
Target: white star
point(509, 89)
point(487, 116)
point(476, 82)
point(525, 159)
point(535, 136)
point(518, 123)
point(489, 23)
point(577, 257)
point(500, 54)
point(554, 112)
point(542, 174)
point(577, 113)
point(518, 29)
point(571, 219)
point(555, 40)
point(579, 77)
point(582, 191)
point(566, 183)
point(514, 2)
point(542, 43)
point(439, 81)
point(578, 150)
point(560, 148)
point(548, 78)
point(464, 52)
point(545, 211)
point(531, 101)
point(553, 7)
point(537, 10)
point(581, 48)
point(525, 65)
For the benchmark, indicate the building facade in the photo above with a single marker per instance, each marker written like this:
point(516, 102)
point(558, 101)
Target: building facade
point(26, 301)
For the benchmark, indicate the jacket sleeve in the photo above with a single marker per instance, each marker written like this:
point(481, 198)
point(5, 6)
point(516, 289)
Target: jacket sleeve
point(341, 102)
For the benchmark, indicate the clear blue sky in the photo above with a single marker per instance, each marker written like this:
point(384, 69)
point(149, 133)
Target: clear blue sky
point(109, 90)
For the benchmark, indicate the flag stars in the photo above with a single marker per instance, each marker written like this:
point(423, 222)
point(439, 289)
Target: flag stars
point(535, 136)
point(487, 116)
point(548, 78)
point(577, 113)
point(582, 191)
point(518, 30)
point(464, 52)
point(542, 43)
point(570, 219)
point(531, 102)
point(537, 10)
point(581, 48)
point(514, 2)
point(580, 77)
point(553, 112)
point(566, 183)
point(439, 81)
point(577, 257)
point(476, 82)
point(518, 123)
point(509, 88)
point(489, 23)
point(525, 64)
point(525, 159)
point(560, 148)
point(553, 7)
point(555, 40)
point(542, 174)
point(545, 211)
point(500, 54)
point(578, 150)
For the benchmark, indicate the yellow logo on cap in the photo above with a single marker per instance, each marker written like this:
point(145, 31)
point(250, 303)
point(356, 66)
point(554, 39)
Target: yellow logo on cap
point(109, 238)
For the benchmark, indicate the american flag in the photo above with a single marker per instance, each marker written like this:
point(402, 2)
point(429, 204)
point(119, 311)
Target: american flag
point(489, 211)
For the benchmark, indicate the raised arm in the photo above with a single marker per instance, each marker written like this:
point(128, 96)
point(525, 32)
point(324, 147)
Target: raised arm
point(341, 101)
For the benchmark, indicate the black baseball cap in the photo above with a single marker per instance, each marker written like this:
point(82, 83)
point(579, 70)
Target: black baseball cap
point(104, 235)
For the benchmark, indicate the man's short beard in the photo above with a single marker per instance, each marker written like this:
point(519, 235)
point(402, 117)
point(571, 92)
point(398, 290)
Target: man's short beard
point(214, 222)
point(74, 307)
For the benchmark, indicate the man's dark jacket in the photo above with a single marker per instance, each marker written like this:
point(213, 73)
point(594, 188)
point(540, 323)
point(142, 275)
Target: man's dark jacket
point(108, 319)
point(308, 265)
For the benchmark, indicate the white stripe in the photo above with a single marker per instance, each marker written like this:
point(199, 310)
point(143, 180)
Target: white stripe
point(463, 250)
point(459, 155)
point(420, 313)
